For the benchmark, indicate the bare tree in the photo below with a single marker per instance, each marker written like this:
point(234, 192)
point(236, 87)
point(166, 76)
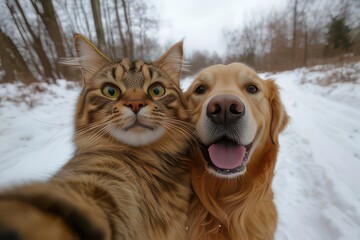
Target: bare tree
point(111, 50)
point(130, 45)
point(48, 17)
point(41, 32)
point(36, 41)
point(13, 61)
point(85, 18)
point(199, 60)
point(120, 28)
point(295, 13)
point(144, 25)
point(95, 5)
point(248, 44)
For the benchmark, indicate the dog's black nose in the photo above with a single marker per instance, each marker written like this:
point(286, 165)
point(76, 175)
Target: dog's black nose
point(225, 109)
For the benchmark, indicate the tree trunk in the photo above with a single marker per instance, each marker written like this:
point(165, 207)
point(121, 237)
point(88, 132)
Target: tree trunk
point(86, 19)
point(130, 48)
point(6, 65)
point(305, 47)
point(108, 27)
point(28, 47)
point(37, 45)
point(122, 38)
point(13, 61)
point(294, 33)
point(51, 24)
point(95, 5)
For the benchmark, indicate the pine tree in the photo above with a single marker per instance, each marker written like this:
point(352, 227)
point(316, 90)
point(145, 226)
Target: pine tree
point(339, 33)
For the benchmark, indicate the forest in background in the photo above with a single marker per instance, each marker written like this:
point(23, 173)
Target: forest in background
point(36, 34)
point(306, 33)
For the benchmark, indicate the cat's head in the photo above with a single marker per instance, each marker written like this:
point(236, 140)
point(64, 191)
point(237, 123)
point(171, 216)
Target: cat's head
point(133, 103)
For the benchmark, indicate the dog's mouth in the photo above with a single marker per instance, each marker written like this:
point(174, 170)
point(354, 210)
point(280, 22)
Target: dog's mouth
point(227, 157)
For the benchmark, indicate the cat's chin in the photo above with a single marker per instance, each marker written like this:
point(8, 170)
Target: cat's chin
point(138, 136)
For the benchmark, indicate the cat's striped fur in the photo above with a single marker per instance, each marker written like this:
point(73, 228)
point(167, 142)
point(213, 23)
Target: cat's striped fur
point(129, 176)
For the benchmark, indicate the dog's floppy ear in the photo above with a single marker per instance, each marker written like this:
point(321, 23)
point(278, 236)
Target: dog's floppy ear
point(279, 117)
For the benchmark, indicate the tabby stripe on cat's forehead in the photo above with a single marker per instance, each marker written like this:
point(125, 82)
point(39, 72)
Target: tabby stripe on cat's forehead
point(113, 73)
point(131, 67)
point(151, 73)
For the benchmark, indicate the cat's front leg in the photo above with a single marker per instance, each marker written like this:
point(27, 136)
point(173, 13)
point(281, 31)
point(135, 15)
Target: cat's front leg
point(19, 220)
point(50, 211)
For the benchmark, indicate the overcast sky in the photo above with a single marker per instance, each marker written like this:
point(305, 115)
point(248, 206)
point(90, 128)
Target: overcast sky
point(201, 22)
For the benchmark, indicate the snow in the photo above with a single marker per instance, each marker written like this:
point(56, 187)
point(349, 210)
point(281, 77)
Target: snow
point(316, 184)
point(35, 141)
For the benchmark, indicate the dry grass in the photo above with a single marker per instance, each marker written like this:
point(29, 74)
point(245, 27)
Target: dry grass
point(30, 95)
point(330, 74)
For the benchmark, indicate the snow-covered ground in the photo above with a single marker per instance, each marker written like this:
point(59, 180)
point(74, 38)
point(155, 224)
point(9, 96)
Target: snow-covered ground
point(317, 182)
point(35, 141)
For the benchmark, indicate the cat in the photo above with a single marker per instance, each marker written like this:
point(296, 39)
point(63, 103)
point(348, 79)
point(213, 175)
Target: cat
point(128, 178)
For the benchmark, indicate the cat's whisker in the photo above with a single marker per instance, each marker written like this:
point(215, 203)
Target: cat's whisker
point(188, 129)
point(180, 124)
point(111, 128)
point(179, 128)
point(172, 119)
point(187, 136)
point(94, 124)
point(84, 131)
point(100, 132)
point(89, 127)
point(167, 130)
point(185, 130)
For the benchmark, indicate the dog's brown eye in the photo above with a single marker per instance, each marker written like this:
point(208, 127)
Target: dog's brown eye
point(252, 89)
point(200, 89)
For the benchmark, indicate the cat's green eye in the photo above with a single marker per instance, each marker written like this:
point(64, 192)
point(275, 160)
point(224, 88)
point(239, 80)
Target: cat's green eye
point(110, 91)
point(156, 90)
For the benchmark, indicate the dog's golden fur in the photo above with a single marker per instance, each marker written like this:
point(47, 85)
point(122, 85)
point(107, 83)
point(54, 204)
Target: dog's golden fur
point(241, 207)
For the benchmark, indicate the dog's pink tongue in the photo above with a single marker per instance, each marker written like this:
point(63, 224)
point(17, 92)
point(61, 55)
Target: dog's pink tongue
point(226, 156)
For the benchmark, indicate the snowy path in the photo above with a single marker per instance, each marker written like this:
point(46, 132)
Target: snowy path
point(317, 182)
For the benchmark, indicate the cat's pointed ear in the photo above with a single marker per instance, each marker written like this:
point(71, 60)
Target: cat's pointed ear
point(90, 59)
point(171, 62)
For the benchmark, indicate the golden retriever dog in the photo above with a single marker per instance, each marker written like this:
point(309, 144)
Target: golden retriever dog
point(238, 118)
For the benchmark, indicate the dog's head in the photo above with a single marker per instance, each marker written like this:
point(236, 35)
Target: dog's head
point(236, 114)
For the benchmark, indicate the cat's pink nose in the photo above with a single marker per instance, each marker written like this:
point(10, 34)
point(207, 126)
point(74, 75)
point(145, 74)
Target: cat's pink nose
point(135, 105)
